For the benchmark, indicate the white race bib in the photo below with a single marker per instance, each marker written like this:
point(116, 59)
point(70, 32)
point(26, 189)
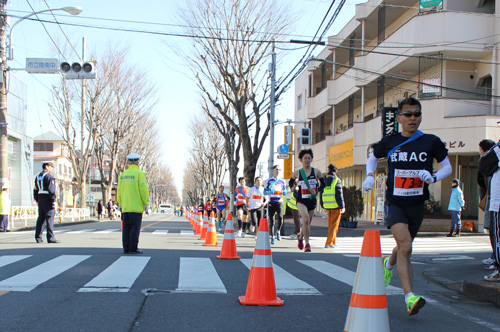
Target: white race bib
point(407, 183)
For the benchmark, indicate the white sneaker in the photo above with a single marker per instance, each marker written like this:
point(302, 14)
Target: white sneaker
point(239, 233)
point(488, 261)
point(218, 229)
point(293, 236)
point(243, 234)
point(252, 228)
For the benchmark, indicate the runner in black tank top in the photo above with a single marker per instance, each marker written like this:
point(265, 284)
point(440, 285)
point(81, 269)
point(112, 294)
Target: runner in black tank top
point(307, 195)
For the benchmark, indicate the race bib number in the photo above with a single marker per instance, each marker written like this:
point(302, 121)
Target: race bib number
point(256, 197)
point(407, 183)
point(276, 193)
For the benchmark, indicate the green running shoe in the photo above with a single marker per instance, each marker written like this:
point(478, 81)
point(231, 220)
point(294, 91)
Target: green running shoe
point(414, 304)
point(387, 273)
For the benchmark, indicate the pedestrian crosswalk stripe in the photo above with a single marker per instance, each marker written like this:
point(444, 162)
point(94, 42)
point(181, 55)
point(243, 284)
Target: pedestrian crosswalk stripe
point(28, 280)
point(199, 275)
point(286, 283)
point(106, 231)
point(118, 277)
point(8, 259)
point(341, 274)
point(186, 232)
point(160, 231)
point(61, 231)
point(81, 231)
point(427, 245)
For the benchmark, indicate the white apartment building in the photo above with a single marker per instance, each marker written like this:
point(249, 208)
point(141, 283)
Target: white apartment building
point(445, 55)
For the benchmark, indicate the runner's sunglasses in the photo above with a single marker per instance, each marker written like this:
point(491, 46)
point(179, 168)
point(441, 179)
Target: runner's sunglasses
point(408, 114)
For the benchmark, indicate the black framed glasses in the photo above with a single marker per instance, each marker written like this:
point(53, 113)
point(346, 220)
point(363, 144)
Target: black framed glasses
point(416, 113)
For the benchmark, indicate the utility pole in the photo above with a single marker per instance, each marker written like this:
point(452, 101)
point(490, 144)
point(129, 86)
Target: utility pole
point(84, 90)
point(272, 106)
point(3, 94)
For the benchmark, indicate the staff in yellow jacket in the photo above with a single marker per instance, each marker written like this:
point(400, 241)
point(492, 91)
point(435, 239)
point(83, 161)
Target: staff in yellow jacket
point(133, 197)
point(4, 208)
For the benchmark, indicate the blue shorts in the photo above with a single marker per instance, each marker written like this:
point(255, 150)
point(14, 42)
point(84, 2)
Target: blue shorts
point(413, 216)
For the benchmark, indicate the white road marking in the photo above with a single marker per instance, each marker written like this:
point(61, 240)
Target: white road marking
point(105, 231)
point(286, 283)
point(9, 259)
point(160, 232)
point(118, 277)
point(341, 274)
point(198, 275)
point(30, 279)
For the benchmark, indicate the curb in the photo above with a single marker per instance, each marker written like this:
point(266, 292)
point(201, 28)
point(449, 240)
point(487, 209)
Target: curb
point(475, 290)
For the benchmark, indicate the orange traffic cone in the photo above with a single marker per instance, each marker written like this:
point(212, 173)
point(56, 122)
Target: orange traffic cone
point(199, 223)
point(261, 289)
point(204, 229)
point(211, 238)
point(228, 250)
point(368, 307)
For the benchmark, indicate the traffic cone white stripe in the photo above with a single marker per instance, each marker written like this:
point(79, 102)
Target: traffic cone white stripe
point(262, 261)
point(356, 320)
point(262, 242)
point(365, 283)
point(229, 235)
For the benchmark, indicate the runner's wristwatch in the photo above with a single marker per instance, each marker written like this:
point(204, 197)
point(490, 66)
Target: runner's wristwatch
point(435, 178)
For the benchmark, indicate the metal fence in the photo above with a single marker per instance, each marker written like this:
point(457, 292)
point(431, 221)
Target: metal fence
point(29, 214)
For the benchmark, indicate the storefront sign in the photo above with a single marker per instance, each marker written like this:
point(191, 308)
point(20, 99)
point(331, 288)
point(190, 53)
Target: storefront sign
point(389, 121)
point(430, 3)
point(342, 154)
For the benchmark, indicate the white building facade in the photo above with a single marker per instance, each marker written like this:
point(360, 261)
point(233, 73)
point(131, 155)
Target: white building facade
point(445, 56)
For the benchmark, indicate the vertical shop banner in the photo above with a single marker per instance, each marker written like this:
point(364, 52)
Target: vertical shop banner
point(389, 121)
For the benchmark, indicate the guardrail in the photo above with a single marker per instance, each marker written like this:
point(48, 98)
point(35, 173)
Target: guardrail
point(30, 213)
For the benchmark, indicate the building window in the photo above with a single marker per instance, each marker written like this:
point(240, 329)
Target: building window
point(299, 102)
point(310, 86)
point(350, 116)
point(380, 94)
point(44, 147)
point(381, 24)
point(484, 88)
point(352, 45)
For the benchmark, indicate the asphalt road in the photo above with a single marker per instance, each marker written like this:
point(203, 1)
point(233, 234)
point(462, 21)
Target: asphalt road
point(85, 283)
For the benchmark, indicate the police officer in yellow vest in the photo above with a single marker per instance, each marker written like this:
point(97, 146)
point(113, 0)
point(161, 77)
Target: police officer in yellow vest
point(4, 208)
point(332, 201)
point(292, 204)
point(133, 197)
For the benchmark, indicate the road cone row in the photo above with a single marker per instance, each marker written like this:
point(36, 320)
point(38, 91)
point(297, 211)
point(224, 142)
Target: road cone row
point(368, 306)
point(199, 223)
point(228, 250)
point(261, 287)
point(211, 238)
point(204, 229)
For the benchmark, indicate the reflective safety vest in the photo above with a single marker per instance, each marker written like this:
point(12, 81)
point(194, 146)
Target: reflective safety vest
point(328, 196)
point(132, 193)
point(292, 203)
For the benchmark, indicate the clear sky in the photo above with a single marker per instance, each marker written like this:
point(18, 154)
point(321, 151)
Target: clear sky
point(179, 101)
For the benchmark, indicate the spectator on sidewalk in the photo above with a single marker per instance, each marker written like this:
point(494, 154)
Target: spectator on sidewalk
point(483, 182)
point(4, 208)
point(109, 206)
point(489, 165)
point(457, 203)
point(332, 201)
point(99, 210)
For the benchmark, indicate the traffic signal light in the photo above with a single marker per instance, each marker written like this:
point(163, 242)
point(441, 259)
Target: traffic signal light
point(305, 136)
point(78, 70)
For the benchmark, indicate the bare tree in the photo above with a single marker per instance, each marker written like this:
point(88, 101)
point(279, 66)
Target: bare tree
point(67, 109)
point(133, 98)
point(230, 45)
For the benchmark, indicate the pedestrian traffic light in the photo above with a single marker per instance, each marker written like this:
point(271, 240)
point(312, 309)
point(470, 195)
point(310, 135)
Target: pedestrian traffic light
point(305, 136)
point(78, 70)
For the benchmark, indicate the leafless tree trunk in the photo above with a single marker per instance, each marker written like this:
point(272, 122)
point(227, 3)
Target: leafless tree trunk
point(230, 48)
point(133, 98)
point(66, 96)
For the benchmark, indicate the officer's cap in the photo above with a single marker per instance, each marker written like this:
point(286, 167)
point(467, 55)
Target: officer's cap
point(49, 163)
point(5, 186)
point(134, 157)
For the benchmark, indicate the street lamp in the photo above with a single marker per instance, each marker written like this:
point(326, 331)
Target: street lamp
point(3, 79)
point(73, 10)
